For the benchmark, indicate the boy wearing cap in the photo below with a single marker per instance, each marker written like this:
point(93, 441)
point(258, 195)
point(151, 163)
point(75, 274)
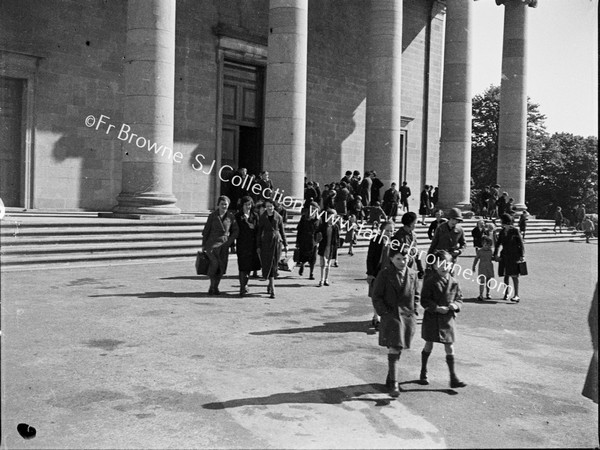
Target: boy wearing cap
point(449, 236)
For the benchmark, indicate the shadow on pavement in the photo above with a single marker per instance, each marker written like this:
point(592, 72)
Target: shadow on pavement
point(331, 396)
point(444, 391)
point(485, 302)
point(329, 327)
point(158, 294)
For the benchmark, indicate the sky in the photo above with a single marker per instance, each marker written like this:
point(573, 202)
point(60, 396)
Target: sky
point(562, 65)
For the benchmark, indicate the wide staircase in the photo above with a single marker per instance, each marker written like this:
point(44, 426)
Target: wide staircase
point(37, 239)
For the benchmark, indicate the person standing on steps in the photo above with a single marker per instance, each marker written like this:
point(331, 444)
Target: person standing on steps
point(404, 196)
point(269, 238)
point(218, 235)
point(441, 298)
point(395, 298)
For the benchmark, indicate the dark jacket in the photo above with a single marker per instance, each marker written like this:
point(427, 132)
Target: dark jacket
point(433, 226)
point(436, 292)
point(375, 190)
point(269, 238)
point(245, 246)
point(448, 239)
point(395, 299)
point(335, 238)
point(513, 250)
point(477, 234)
point(218, 234)
point(306, 238)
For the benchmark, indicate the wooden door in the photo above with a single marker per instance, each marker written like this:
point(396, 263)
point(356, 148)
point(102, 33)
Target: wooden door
point(11, 141)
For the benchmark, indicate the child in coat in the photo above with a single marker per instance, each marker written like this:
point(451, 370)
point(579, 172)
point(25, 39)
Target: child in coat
point(350, 238)
point(484, 257)
point(558, 219)
point(441, 298)
point(523, 223)
point(395, 298)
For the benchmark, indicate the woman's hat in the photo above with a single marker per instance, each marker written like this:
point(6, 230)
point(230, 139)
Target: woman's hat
point(455, 214)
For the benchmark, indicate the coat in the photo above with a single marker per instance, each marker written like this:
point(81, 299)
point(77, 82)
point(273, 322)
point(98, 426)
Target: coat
point(407, 240)
point(397, 305)
point(217, 236)
point(439, 327)
point(306, 239)
point(335, 237)
point(449, 239)
point(246, 242)
point(269, 238)
point(513, 250)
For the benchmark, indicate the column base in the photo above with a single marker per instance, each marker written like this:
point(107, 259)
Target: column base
point(148, 203)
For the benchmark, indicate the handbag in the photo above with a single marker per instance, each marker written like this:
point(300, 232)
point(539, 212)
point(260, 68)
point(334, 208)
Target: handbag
point(286, 264)
point(522, 267)
point(202, 263)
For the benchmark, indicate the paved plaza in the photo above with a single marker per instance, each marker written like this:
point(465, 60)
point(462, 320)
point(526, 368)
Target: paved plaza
point(138, 356)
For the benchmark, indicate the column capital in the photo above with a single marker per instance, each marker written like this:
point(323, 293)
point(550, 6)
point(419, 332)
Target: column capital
point(530, 3)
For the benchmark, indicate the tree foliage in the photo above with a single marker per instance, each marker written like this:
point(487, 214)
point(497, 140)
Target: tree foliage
point(562, 169)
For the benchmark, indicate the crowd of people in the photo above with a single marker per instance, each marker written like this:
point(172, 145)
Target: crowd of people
point(397, 277)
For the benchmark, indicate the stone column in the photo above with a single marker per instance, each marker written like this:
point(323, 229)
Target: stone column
point(285, 96)
point(512, 131)
point(455, 146)
point(382, 133)
point(147, 176)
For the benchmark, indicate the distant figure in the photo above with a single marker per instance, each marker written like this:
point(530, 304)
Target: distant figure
point(310, 193)
point(341, 199)
point(327, 250)
point(376, 215)
point(478, 232)
point(365, 189)
point(513, 251)
point(424, 203)
point(355, 183)
point(270, 236)
point(306, 239)
point(449, 236)
point(588, 228)
point(558, 219)
point(494, 196)
point(501, 203)
point(375, 188)
point(523, 223)
point(347, 178)
point(439, 219)
point(404, 196)
point(435, 197)
point(391, 197)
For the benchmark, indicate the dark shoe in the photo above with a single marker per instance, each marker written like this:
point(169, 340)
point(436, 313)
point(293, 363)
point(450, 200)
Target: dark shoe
point(320, 284)
point(456, 383)
point(326, 283)
point(311, 277)
point(301, 271)
point(272, 295)
point(335, 264)
point(515, 299)
point(488, 296)
point(480, 298)
point(423, 379)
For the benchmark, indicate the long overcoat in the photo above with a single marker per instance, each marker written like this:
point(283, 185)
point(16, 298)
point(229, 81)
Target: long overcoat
point(269, 238)
point(438, 291)
point(306, 239)
point(218, 234)
point(513, 250)
point(395, 298)
point(246, 242)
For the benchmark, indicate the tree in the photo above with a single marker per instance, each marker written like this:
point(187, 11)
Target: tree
point(486, 119)
point(562, 171)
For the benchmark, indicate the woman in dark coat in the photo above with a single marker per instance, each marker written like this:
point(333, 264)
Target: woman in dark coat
point(330, 236)
point(378, 258)
point(424, 205)
point(441, 298)
point(306, 242)
point(513, 251)
point(247, 256)
point(219, 233)
point(395, 297)
point(269, 237)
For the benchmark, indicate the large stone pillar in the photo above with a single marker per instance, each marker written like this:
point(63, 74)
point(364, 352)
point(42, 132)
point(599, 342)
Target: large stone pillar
point(285, 97)
point(147, 176)
point(512, 140)
point(382, 134)
point(455, 146)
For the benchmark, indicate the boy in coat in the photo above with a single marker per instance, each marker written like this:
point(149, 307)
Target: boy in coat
point(441, 298)
point(395, 298)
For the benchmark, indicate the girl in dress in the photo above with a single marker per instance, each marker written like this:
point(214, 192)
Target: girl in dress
point(485, 257)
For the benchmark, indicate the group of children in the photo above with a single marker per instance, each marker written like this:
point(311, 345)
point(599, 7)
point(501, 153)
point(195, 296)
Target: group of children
point(395, 297)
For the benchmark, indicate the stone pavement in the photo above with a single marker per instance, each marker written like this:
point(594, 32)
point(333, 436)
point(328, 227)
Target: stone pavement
point(137, 356)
